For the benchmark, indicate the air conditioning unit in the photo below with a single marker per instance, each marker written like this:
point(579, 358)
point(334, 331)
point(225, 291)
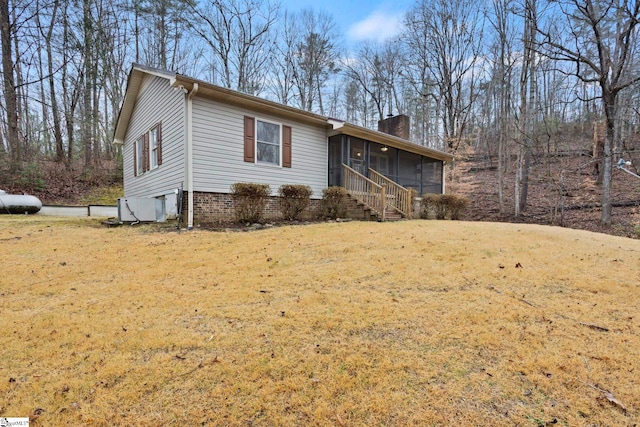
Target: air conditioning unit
point(142, 209)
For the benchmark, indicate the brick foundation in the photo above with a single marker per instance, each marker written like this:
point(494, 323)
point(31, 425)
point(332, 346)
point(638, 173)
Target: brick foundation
point(216, 208)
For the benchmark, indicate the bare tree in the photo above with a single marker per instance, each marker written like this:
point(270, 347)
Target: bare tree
point(239, 34)
point(445, 40)
point(503, 63)
point(113, 74)
point(527, 105)
point(283, 63)
point(89, 80)
point(10, 90)
point(47, 32)
point(314, 59)
point(426, 103)
point(376, 69)
point(367, 70)
point(163, 43)
point(600, 39)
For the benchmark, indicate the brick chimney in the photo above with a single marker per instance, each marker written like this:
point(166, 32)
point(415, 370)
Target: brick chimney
point(396, 126)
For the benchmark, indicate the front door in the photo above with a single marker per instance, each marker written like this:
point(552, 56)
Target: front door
point(335, 161)
point(357, 156)
point(379, 163)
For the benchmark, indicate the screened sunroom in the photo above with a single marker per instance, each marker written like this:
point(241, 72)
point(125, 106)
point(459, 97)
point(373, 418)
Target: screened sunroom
point(410, 169)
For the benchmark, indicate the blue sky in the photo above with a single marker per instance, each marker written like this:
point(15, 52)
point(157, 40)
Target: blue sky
point(358, 20)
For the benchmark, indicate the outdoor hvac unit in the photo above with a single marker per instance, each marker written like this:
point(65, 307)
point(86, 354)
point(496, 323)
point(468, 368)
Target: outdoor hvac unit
point(143, 209)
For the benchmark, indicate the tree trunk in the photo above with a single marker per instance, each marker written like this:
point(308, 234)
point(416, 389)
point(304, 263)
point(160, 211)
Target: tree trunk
point(501, 155)
point(599, 136)
point(527, 99)
point(46, 135)
point(610, 112)
point(69, 95)
point(87, 128)
point(526, 167)
point(55, 111)
point(94, 114)
point(10, 93)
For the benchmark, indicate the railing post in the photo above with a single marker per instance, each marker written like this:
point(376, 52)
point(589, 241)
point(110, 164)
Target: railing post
point(383, 195)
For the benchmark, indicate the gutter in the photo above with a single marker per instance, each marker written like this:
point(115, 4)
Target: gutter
point(230, 96)
point(189, 158)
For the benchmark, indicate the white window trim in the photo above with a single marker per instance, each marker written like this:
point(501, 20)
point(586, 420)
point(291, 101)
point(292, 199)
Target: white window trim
point(269, 164)
point(151, 147)
point(140, 142)
point(139, 147)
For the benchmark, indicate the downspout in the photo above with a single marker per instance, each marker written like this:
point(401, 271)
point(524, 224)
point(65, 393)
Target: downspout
point(193, 92)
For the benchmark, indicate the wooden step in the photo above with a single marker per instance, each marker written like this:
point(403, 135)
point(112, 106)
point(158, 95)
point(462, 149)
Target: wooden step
point(358, 210)
point(392, 215)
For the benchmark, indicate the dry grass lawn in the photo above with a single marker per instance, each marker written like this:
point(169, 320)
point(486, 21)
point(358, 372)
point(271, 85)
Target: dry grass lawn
point(341, 324)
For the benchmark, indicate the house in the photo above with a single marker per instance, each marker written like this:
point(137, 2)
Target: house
point(184, 137)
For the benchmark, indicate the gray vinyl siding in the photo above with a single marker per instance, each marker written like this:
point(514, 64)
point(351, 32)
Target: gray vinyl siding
point(156, 103)
point(218, 151)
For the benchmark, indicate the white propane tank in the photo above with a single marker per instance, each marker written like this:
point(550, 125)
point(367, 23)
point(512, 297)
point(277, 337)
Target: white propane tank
point(19, 203)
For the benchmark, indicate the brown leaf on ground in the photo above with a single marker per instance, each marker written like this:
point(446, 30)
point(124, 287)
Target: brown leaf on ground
point(609, 396)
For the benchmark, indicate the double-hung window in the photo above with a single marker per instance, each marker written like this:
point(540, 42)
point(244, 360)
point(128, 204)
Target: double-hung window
point(147, 151)
point(139, 156)
point(268, 137)
point(266, 142)
point(154, 145)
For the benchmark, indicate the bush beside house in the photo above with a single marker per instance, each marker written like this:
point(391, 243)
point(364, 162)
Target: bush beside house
point(249, 201)
point(441, 206)
point(334, 202)
point(294, 200)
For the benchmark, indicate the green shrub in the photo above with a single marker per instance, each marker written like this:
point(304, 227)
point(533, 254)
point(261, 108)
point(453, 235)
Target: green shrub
point(31, 178)
point(294, 199)
point(443, 206)
point(334, 202)
point(249, 201)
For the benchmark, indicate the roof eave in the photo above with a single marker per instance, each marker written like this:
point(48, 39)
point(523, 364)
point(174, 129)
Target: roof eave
point(250, 102)
point(390, 140)
point(253, 103)
point(130, 95)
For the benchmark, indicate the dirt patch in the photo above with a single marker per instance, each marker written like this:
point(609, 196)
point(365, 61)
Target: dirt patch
point(563, 191)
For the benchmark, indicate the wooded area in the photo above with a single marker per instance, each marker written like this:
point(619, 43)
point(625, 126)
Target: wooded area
point(511, 81)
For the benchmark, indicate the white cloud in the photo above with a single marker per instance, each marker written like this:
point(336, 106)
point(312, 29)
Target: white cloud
point(380, 25)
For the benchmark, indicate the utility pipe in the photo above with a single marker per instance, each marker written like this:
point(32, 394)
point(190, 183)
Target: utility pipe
point(621, 165)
